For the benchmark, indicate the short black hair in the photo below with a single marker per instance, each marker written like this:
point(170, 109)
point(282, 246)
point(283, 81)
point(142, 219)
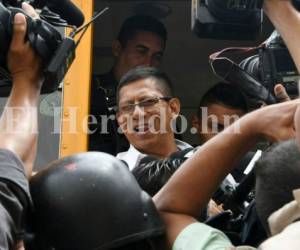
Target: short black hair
point(140, 23)
point(225, 94)
point(277, 175)
point(140, 73)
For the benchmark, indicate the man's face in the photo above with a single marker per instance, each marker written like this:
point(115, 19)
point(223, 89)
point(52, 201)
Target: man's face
point(214, 119)
point(148, 124)
point(144, 49)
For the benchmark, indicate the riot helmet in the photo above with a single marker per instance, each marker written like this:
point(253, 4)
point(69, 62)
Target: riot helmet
point(91, 201)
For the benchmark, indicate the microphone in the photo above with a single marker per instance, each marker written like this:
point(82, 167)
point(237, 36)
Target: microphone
point(172, 162)
point(152, 173)
point(67, 10)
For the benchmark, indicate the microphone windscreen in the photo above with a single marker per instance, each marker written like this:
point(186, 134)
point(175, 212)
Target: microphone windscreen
point(147, 159)
point(181, 154)
point(67, 10)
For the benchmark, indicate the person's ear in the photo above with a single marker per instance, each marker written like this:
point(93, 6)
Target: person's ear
point(119, 118)
point(116, 48)
point(174, 105)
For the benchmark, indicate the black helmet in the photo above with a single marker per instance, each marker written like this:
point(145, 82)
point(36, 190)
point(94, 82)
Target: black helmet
point(91, 201)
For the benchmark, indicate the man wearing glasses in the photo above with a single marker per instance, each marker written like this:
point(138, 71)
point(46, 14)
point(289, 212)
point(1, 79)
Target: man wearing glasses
point(146, 111)
point(141, 42)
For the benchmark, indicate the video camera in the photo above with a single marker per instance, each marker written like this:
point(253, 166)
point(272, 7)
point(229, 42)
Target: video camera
point(242, 20)
point(229, 19)
point(273, 64)
point(56, 51)
point(257, 75)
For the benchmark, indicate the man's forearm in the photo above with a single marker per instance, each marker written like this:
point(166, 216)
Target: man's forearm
point(26, 141)
point(18, 123)
point(198, 178)
point(192, 185)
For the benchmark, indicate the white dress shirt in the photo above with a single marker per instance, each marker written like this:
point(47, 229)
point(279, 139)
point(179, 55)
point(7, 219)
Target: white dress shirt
point(132, 156)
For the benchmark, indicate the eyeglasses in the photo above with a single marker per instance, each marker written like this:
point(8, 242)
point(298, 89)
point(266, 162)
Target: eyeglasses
point(145, 104)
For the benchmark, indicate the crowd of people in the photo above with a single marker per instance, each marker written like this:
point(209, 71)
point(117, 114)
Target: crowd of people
point(154, 191)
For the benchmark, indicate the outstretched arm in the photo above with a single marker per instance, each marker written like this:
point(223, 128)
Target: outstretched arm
point(18, 123)
point(18, 134)
point(192, 185)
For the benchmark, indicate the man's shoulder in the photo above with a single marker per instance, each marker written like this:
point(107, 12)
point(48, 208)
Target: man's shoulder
point(12, 172)
point(12, 169)
point(105, 80)
point(197, 236)
point(103, 92)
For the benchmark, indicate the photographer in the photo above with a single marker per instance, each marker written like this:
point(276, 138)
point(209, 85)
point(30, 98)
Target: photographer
point(18, 136)
point(176, 197)
point(286, 20)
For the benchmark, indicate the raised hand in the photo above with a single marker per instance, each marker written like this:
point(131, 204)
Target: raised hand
point(23, 62)
point(280, 93)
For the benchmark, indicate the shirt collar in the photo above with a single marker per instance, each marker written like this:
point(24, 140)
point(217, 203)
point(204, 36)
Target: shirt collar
point(132, 157)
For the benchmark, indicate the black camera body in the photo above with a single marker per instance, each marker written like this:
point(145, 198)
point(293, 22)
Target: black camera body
point(227, 19)
point(272, 65)
point(277, 66)
point(57, 52)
